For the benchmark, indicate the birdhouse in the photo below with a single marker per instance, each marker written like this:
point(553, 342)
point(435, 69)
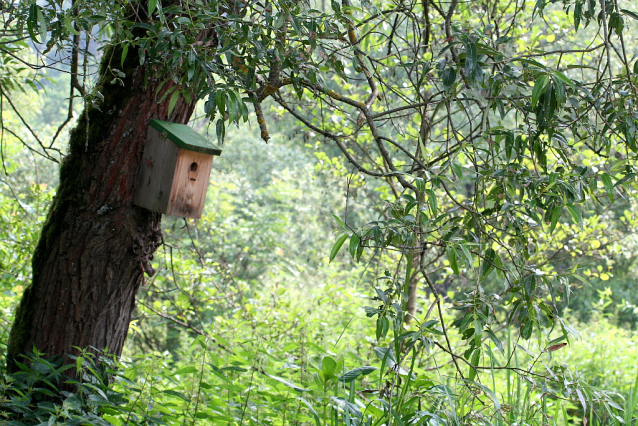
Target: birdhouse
point(175, 170)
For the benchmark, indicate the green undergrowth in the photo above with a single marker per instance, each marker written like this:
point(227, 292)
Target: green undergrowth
point(280, 360)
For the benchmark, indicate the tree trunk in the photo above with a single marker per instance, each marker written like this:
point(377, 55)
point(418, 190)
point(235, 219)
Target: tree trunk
point(413, 287)
point(95, 245)
point(410, 306)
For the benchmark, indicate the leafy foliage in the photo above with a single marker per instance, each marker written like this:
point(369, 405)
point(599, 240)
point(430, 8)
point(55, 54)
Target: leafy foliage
point(494, 147)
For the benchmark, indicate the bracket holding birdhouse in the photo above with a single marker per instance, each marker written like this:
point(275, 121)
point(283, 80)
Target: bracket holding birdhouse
point(175, 170)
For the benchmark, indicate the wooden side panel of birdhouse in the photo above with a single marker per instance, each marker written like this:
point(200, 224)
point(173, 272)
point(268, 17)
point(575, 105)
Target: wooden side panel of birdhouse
point(188, 193)
point(156, 172)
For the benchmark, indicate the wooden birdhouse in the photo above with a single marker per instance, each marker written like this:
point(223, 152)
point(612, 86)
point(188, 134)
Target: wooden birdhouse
point(175, 170)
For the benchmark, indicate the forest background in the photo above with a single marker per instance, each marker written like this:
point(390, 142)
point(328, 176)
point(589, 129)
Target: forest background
point(257, 316)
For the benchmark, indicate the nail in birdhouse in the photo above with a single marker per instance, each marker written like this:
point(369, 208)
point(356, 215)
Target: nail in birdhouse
point(175, 170)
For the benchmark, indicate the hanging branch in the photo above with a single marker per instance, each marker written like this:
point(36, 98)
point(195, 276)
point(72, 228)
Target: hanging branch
point(30, 129)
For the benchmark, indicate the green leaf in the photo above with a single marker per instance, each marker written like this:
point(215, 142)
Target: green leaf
point(468, 256)
point(578, 14)
point(32, 22)
point(176, 394)
point(146, 26)
point(409, 207)
point(173, 101)
point(628, 177)
point(232, 367)
point(448, 77)
point(531, 62)
point(609, 186)
point(559, 86)
point(495, 339)
point(287, 383)
point(312, 411)
point(488, 262)
point(354, 244)
point(557, 340)
point(244, 110)
point(476, 358)
point(386, 355)
point(432, 202)
point(526, 329)
point(78, 362)
point(69, 25)
point(492, 395)
point(556, 212)
point(617, 22)
point(220, 101)
point(124, 53)
point(339, 221)
point(232, 106)
point(220, 130)
point(581, 398)
point(540, 7)
point(152, 4)
point(559, 75)
point(381, 294)
point(43, 24)
point(451, 257)
point(353, 374)
point(630, 13)
point(328, 365)
point(383, 325)
point(337, 246)
point(359, 252)
point(478, 332)
point(540, 87)
point(187, 370)
point(471, 60)
point(576, 216)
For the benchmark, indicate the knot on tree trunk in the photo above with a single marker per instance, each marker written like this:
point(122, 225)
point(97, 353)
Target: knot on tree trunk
point(144, 246)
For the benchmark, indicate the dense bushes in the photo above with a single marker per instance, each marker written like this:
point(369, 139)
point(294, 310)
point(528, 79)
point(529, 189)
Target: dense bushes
point(280, 360)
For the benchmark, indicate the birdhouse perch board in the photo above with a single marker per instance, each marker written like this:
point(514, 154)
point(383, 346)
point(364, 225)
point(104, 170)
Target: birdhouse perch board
point(175, 170)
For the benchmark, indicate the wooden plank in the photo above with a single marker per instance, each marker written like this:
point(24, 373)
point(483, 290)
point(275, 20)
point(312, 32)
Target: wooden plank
point(188, 193)
point(156, 172)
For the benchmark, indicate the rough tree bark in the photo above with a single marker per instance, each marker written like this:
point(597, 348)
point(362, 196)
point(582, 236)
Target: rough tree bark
point(95, 245)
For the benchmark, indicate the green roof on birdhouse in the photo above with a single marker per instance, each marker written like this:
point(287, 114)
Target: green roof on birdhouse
point(185, 137)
